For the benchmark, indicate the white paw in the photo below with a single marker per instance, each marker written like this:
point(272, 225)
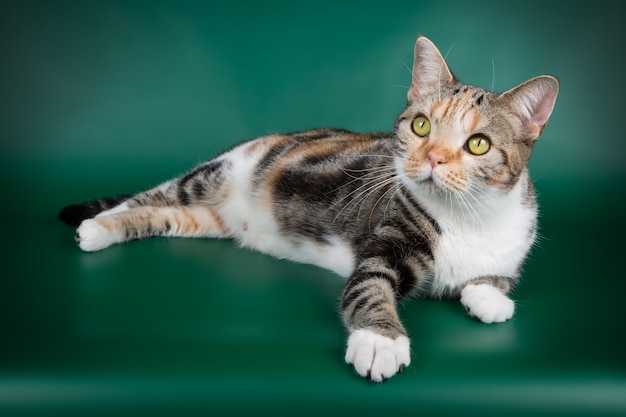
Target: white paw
point(377, 357)
point(487, 303)
point(91, 236)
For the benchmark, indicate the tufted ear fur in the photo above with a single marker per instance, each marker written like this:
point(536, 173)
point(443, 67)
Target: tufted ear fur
point(533, 102)
point(430, 70)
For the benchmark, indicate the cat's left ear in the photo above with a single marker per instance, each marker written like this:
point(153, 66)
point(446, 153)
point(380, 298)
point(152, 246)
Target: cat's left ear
point(430, 70)
point(533, 102)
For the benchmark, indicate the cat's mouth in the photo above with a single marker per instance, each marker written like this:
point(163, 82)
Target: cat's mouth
point(430, 185)
point(433, 180)
point(435, 184)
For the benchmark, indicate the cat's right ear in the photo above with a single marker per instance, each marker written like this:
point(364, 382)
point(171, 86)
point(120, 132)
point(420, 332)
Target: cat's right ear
point(430, 70)
point(533, 102)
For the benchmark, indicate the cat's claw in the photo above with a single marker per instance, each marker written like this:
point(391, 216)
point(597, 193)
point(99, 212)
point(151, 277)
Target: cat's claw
point(377, 357)
point(487, 303)
point(91, 236)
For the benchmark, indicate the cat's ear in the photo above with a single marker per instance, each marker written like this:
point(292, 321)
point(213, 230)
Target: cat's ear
point(430, 70)
point(533, 102)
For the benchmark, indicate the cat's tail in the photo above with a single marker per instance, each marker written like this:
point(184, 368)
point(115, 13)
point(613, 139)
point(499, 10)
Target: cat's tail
point(74, 214)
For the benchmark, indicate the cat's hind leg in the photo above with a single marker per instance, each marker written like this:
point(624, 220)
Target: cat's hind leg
point(122, 224)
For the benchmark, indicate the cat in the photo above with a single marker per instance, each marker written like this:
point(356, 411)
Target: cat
point(443, 207)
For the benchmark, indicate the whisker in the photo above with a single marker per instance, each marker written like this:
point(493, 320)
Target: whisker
point(407, 67)
point(359, 191)
point(365, 169)
point(366, 194)
point(493, 71)
point(372, 191)
point(378, 156)
point(443, 63)
point(373, 174)
point(466, 207)
point(477, 203)
point(397, 187)
point(445, 57)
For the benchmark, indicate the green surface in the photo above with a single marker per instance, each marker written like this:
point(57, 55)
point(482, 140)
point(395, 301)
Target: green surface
point(101, 98)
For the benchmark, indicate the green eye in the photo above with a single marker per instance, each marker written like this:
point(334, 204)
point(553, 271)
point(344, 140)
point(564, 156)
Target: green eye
point(478, 145)
point(421, 126)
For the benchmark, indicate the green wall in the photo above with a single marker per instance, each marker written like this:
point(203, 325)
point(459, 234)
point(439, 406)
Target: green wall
point(171, 83)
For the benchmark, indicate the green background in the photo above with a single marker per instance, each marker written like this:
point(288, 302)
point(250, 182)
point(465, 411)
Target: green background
point(99, 98)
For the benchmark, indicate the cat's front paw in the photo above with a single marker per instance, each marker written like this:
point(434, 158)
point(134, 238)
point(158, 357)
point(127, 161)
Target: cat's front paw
point(487, 303)
point(91, 236)
point(377, 357)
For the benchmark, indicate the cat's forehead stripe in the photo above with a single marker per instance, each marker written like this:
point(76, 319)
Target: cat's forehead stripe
point(451, 106)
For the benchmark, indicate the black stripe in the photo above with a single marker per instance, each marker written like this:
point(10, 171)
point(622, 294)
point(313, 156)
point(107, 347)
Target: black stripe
point(361, 277)
point(389, 323)
point(130, 233)
point(187, 177)
point(359, 305)
point(512, 175)
point(374, 305)
point(74, 214)
point(365, 307)
point(148, 230)
point(212, 167)
point(358, 165)
point(269, 158)
point(199, 189)
point(391, 279)
point(349, 295)
point(402, 282)
point(317, 160)
point(394, 254)
point(406, 196)
point(206, 170)
point(406, 280)
point(183, 196)
point(416, 239)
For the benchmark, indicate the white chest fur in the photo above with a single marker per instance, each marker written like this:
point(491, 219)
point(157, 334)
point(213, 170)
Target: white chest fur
point(495, 246)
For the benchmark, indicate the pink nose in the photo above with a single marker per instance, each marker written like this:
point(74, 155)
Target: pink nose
point(435, 159)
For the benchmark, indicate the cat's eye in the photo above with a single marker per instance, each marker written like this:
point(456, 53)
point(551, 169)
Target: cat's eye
point(421, 126)
point(478, 145)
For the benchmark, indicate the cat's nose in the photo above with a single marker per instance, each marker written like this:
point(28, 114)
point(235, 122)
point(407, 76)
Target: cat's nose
point(435, 159)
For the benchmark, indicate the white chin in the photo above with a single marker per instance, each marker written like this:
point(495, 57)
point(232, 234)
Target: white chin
point(432, 186)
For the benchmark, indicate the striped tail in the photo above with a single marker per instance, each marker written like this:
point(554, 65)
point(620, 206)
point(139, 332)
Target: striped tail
point(74, 214)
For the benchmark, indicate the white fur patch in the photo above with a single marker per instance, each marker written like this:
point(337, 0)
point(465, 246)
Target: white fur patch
point(487, 303)
point(492, 239)
point(377, 357)
point(251, 222)
point(244, 212)
point(466, 252)
point(336, 256)
point(91, 236)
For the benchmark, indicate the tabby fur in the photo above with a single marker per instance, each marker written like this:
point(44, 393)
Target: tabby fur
point(398, 214)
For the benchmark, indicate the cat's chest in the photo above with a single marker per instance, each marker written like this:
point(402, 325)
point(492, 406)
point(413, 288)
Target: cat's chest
point(495, 248)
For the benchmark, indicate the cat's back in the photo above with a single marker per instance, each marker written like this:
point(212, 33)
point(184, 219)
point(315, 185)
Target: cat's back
point(282, 164)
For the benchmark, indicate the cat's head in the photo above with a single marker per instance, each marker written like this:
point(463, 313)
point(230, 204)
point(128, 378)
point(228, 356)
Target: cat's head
point(457, 139)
